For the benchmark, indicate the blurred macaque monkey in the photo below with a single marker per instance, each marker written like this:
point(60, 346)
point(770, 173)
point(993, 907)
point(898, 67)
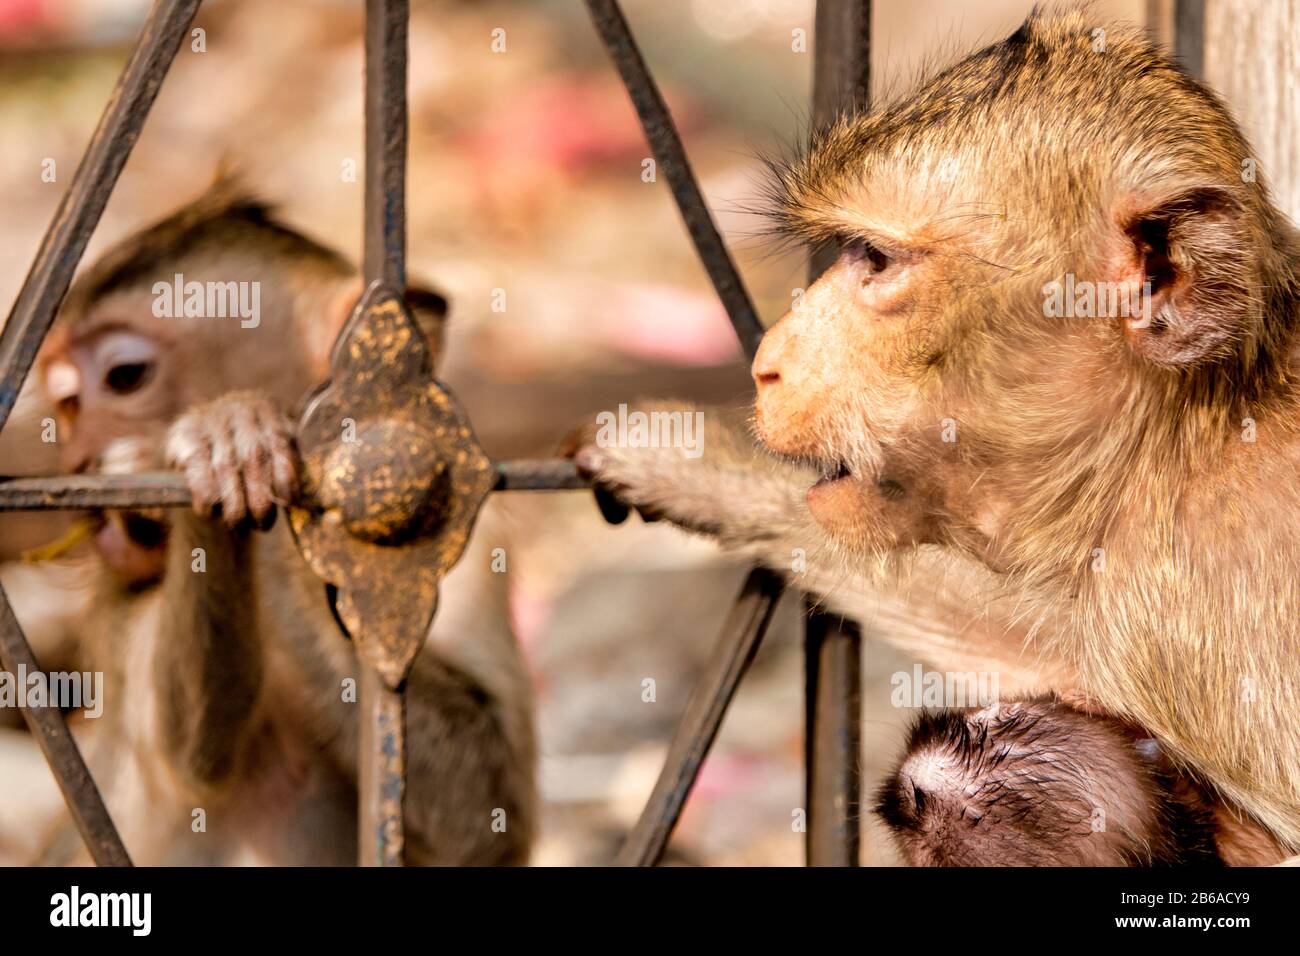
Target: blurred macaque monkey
point(231, 707)
point(1123, 466)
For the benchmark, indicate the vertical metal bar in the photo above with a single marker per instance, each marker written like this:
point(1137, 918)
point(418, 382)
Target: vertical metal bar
point(81, 206)
point(832, 646)
point(382, 771)
point(841, 77)
point(666, 144)
point(1189, 36)
point(833, 740)
point(47, 725)
point(384, 258)
point(737, 644)
point(381, 779)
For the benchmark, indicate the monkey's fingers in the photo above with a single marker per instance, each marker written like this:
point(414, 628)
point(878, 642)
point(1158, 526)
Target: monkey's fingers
point(227, 465)
point(251, 463)
point(609, 500)
point(191, 451)
point(590, 462)
point(257, 483)
point(282, 456)
point(205, 450)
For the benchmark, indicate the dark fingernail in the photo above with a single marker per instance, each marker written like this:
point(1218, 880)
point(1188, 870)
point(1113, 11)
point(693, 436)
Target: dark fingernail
point(613, 510)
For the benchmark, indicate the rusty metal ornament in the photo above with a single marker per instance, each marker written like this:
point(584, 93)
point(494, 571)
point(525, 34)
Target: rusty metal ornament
point(392, 480)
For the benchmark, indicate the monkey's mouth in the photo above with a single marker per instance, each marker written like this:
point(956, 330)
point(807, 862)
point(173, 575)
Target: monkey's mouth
point(838, 471)
point(133, 545)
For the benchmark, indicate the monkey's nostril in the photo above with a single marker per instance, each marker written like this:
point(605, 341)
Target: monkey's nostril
point(767, 378)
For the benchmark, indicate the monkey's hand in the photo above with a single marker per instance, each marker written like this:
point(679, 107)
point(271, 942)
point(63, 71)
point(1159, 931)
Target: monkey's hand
point(238, 457)
point(700, 469)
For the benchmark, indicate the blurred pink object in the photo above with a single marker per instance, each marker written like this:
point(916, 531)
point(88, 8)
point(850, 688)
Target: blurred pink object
point(667, 324)
point(19, 16)
point(724, 775)
point(571, 123)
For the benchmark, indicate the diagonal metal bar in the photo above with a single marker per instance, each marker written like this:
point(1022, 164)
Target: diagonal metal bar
point(737, 644)
point(48, 726)
point(381, 778)
point(833, 646)
point(30, 319)
point(666, 143)
point(753, 609)
point(82, 205)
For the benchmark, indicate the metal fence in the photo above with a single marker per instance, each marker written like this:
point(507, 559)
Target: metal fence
point(388, 634)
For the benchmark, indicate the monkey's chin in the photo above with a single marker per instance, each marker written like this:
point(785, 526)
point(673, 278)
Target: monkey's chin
point(134, 547)
point(839, 503)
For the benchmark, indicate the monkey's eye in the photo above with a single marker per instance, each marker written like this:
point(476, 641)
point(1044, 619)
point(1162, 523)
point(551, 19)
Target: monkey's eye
point(127, 377)
point(871, 258)
point(126, 362)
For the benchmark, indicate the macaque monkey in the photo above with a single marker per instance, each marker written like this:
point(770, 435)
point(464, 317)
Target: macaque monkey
point(1122, 464)
point(230, 732)
point(1039, 781)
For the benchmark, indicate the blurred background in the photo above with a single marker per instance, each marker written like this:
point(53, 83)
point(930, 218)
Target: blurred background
point(526, 176)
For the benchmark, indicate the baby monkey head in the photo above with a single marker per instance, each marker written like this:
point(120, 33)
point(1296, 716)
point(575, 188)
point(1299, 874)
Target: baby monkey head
point(1063, 214)
point(220, 296)
point(1037, 782)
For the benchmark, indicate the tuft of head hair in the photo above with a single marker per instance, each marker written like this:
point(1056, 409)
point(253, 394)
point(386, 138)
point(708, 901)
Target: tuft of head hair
point(1065, 103)
point(226, 217)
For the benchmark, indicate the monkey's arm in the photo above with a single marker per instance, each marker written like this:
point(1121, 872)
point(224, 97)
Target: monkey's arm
point(941, 607)
point(725, 487)
point(208, 659)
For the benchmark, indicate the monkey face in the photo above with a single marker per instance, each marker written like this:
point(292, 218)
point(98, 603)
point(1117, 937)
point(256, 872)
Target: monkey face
point(851, 379)
point(839, 357)
point(111, 384)
point(106, 382)
point(1019, 234)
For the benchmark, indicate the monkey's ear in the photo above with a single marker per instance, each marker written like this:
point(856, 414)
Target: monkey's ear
point(428, 307)
point(1195, 251)
point(430, 311)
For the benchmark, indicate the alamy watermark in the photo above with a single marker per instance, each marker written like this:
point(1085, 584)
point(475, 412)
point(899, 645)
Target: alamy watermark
point(66, 690)
point(922, 688)
point(1068, 298)
point(209, 300)
point(656, 429)
point(133, 911)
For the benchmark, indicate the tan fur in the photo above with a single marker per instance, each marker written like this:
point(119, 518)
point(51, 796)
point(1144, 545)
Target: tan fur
point(226, 686)
point(1096, 466)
